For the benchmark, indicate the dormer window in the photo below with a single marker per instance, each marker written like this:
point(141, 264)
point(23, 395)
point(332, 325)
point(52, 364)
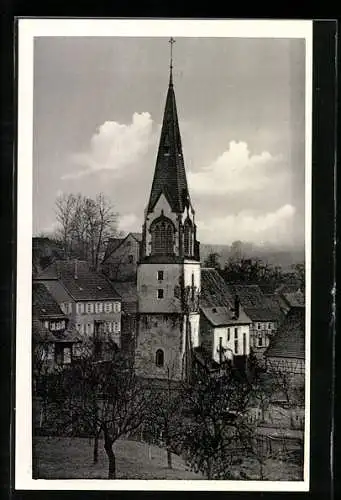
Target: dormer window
point(162, 231)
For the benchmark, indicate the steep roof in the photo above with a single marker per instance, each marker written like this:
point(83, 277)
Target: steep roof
point(214, 291)
point(289, 341)
point(254, 302)
point(43, 303)
point(79, 280)
point(169, 175)
point(216, 302)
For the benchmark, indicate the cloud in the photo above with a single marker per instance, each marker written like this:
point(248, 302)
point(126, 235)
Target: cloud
point(273, 227)
point(236, 170)
point(128, 222)
point(115, 146)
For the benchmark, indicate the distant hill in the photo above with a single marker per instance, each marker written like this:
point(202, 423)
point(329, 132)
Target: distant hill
point(273, 256)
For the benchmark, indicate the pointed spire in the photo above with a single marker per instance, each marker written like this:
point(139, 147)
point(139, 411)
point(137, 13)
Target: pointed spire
point(170, 176)
point(171, 42)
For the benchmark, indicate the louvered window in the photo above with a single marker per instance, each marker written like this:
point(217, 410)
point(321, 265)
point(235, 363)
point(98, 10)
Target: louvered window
point(162, 237)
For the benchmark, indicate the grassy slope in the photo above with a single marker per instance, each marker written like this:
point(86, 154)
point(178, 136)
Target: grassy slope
point(67, 458)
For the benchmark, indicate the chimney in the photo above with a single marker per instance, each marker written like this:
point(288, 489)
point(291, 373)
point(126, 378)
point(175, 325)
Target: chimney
point(76, 275)
point(236, 306)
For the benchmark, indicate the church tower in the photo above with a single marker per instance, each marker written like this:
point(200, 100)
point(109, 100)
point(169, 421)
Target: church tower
point(168, 273)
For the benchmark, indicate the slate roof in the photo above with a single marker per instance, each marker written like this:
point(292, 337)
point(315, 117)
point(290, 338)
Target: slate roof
point(79, 280)
point(216, 302)
point(289, 341)
point(170, 176)
point(254, 302)
point(43, 303)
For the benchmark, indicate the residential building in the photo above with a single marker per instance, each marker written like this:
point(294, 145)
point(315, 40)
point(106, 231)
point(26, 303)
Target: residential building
point(168, 272)
point(121, 258)
point(265, 319)
point(88, 299)
point(54, 336)
point(224, 325)
point(288, 300)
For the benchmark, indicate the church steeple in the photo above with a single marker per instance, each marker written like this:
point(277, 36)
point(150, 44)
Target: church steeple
point(170, 176)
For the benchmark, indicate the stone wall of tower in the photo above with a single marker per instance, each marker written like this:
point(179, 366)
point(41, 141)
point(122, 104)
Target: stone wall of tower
point(159, 331)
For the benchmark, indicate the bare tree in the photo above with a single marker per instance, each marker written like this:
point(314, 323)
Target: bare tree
point(214, 409)
point(85, 225)
point(102, 397)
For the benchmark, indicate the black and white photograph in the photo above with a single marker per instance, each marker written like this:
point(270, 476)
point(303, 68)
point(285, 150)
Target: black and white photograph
point(164, 213)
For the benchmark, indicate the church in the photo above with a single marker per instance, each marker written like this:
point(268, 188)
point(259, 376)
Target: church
point(168, 271)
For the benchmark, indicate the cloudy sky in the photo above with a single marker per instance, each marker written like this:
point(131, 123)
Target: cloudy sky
point(98, 106)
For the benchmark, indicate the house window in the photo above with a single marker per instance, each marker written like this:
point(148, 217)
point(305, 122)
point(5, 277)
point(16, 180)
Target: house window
point(162, 231)
point(46, 324)
point(236, 333)
point(260, 341)
point(159, 358)
point(244, 343)
point(270, 326)
point(53, 326)
point(100, 307)
point(117, 306)
point(116, 326)
point(236, 346)
point(70, 307)
point(160, 275)
point(88, 308)
point(107, 307)
point(160, 293)
point(130, 259)
point(177, 291)
point(259, 326)
point(228, 334)
point(109, 326)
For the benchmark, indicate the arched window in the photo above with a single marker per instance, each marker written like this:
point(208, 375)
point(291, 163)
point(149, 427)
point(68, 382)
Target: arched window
point(159, 358)
point(188, 237)
point(162, 231)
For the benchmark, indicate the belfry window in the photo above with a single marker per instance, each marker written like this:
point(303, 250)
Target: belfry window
point(188, 237)
point(162, 231)
point(159, 358)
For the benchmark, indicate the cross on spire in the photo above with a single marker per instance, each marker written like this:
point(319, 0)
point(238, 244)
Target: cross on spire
point(171, 41)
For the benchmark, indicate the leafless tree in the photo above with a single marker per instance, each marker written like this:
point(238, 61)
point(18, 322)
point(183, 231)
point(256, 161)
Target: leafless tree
point(102, 397)
point(214, 407)
point(85, 224)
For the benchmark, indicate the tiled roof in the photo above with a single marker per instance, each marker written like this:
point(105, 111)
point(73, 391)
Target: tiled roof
point(254, 302)
point(43, 303)
point(80, 281)
point(214, 291)
point(170, 176)
point(224, 316)
point(287, 288)
point(274, 304)
point(289, 341)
